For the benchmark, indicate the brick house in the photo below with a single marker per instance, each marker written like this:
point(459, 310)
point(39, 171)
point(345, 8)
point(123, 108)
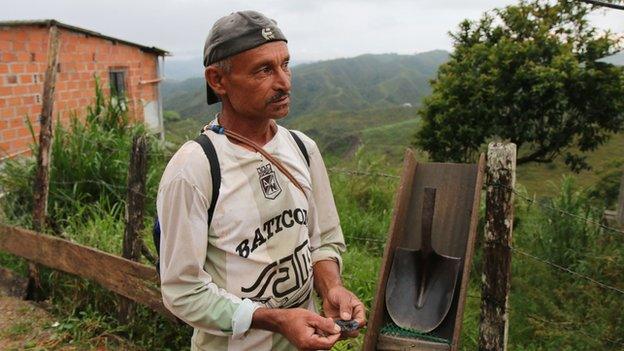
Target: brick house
point(122, 67)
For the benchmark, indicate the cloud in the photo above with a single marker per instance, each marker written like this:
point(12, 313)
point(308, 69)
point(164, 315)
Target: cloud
point(315, 29)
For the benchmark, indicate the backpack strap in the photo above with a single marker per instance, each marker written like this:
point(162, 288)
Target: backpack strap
point(301, 146)
point(215, 170)
point(215, 173)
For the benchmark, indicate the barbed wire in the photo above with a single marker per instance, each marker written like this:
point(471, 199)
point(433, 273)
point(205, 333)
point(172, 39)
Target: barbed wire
point(568, 270)
point(383, 241)
point(509, 308)
point(88, 181)
point(387, 175)
point(365, 238)
point(576, 330)
point(362, 173)
point(552, 208)
point(515, 191)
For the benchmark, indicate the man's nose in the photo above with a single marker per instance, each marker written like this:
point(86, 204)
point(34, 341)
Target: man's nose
point(282, 81)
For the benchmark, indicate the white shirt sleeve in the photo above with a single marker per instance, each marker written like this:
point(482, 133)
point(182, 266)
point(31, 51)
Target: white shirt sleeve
point(188, 291)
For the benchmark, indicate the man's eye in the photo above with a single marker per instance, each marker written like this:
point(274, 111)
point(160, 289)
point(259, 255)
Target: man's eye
point(265, 69)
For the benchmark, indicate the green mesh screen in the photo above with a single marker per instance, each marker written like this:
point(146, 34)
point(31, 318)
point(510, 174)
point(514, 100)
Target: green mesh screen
point(394, 330)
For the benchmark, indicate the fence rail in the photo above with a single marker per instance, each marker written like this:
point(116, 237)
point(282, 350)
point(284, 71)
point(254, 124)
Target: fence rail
point(130, 279)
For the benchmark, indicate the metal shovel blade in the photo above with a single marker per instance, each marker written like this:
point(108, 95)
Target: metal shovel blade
point(421, 283)
point(402, 289)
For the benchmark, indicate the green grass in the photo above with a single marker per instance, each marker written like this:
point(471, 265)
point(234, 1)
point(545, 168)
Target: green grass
point(178, 132)
point(390, 141)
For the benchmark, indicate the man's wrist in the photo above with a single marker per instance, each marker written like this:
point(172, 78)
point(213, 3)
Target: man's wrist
point(326, 276)
point(267, 319)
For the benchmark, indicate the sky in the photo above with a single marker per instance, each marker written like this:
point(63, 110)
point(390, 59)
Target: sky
point(316, 30)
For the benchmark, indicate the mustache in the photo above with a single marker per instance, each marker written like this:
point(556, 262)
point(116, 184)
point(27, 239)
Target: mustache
point(280, 94)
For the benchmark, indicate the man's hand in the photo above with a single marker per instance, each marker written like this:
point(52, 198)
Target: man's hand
point(304, 329)
point(338, 302)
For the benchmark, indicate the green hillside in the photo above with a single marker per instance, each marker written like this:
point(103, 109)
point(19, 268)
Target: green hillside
point(363, 82)
point(341, 132)
point(188, 98)
point(349, 84)
point(354, 106)
point(542, 178)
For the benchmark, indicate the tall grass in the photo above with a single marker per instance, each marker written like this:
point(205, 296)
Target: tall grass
point(554, 310)
point(89, 166)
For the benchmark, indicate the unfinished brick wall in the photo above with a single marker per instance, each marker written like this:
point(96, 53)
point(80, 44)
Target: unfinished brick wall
point(23, 61)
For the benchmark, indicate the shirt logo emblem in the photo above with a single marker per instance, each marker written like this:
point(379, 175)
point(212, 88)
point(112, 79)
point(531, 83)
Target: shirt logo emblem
point(267, 33)
point(268, 182)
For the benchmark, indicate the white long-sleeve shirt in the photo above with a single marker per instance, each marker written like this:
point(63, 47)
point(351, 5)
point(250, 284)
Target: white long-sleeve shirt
point(264, 237)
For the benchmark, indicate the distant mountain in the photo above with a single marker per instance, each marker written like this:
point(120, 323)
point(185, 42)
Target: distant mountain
point(177, 69)
point(181, 69)
point(363, 82)
point(349, 84)
point(188, 98)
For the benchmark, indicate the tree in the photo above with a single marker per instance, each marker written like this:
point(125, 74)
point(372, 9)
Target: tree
point(529, 73)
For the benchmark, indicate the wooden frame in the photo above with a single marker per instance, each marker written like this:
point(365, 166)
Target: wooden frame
point(130, 279)
point(454, 233)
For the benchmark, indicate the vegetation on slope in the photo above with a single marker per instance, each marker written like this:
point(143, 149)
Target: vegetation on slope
point(353, 84)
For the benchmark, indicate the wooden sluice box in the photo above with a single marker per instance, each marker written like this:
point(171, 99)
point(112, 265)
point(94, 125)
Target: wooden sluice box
point(453, 233)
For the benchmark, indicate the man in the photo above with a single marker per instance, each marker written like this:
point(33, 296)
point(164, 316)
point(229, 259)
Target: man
point(244, 277)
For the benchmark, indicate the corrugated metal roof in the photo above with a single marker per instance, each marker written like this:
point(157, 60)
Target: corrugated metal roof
point(51, 22)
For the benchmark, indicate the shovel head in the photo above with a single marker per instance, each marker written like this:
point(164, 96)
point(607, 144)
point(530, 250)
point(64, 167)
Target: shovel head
point(418, 279)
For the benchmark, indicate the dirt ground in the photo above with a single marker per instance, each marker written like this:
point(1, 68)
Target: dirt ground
point(25, 325)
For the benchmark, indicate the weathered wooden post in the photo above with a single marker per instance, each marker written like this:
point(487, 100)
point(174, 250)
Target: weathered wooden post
point(619, 214)
point(135, 208)
point(500, 180)
point(616, 217)
point(41, 185)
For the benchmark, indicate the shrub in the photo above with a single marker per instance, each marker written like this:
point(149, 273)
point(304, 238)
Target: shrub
point(89, 166)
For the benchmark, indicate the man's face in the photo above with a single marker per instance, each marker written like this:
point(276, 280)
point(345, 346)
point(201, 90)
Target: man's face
point(258, 85)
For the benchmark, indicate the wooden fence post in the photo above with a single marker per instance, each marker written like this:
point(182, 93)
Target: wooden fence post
point(500, 180)
point(135, 208)
point(42, 178)
point(619, 214)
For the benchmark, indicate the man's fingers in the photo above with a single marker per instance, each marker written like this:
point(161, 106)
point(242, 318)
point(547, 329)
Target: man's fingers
point(359, 314)
point(346, 307)
point(326, 325)
point(320, 342)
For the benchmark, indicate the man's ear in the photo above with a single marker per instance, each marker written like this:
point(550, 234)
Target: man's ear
point(214, 77)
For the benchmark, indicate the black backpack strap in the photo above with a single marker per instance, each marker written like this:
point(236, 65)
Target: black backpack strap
point(302, 147)
point(215, 173)
point(215, 170)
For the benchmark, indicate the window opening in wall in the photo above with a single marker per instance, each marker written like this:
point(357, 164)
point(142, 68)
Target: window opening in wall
point(117, 79)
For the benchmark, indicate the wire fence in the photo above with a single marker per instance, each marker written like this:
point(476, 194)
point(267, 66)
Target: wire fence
point(362, 173)
point(571, 327)
point(562, 212)
point(569, 271)
point(521, 252)
point(380, 241)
